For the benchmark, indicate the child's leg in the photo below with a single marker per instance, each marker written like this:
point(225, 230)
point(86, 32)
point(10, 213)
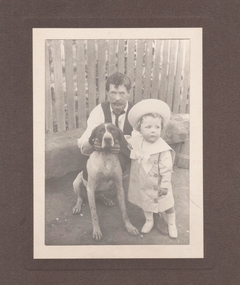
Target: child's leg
point(149, 222)
point(160, 223)
point(171, 220)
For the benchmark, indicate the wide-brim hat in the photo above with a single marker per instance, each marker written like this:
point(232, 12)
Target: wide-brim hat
point(149, 106)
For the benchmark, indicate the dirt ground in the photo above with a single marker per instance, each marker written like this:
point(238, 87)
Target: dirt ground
point(64, 228)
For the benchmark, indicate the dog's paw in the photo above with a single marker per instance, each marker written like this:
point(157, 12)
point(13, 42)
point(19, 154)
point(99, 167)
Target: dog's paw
point(132, 230)
point(105, 200)
point(76, 210)
point(97, 235)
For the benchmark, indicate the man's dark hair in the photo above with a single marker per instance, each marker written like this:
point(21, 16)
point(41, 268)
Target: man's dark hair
point(118, 79)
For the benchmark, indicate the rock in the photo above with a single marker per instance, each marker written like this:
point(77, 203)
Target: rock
point(177, 129)
point(62, 154)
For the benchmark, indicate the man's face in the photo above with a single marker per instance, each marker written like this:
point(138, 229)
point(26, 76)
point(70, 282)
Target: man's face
point(118, 97)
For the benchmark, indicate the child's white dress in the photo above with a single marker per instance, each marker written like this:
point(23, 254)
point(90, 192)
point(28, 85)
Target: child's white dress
point(146, 166)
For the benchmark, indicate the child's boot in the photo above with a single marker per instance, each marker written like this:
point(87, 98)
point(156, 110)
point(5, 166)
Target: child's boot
point(149, 222)
point(172, 229)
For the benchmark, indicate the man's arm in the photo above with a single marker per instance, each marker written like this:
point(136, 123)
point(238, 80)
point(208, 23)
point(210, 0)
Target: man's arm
point(96, 118)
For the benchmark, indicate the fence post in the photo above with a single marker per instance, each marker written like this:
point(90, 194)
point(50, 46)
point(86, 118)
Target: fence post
point(139, 69)
point(69, 84)
point(164, 70)
point(121, 55)
point(130, 64)
point(81, 87)
point(183, 104)
point(48, 102)
point(156, 69)
point(112, 57)
point(148, 69)
point(101, 70)
point(171, 73)
point(178, 78)
point(91, 61)
point(58, 83)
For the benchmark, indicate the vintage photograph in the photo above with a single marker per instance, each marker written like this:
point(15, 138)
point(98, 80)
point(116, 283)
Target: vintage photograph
point(118, 143)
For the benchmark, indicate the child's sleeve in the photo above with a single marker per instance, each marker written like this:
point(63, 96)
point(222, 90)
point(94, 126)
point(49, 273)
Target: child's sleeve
point(165, 168)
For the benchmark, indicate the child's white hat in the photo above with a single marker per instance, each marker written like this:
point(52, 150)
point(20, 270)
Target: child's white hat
point(149, 106)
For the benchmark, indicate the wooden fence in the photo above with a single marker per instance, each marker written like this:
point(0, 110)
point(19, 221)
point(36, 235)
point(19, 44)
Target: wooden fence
point(76, 73)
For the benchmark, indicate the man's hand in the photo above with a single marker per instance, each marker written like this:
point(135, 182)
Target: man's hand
point(87, 148)
point(96, 144)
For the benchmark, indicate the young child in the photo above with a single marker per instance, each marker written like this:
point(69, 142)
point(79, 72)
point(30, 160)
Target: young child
point(151, 163)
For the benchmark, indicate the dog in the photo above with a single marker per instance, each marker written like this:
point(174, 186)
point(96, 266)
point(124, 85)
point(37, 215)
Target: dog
point(104, 170)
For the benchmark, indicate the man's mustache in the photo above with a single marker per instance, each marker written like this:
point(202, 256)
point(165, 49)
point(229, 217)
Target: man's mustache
point(118, 103)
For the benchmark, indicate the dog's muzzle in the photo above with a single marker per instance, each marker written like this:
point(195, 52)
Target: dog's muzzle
point(107, 140)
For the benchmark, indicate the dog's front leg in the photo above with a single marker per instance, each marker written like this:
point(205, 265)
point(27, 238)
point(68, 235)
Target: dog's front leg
point(121, 200)
point(91, 187)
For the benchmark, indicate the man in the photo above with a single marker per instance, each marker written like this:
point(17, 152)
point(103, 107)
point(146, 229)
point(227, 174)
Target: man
point(114, 110)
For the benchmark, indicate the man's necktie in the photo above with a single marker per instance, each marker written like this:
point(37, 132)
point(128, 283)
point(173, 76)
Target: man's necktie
point(117, 116)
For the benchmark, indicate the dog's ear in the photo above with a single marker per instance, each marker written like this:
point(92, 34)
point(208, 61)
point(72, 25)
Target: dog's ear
point(93, 135)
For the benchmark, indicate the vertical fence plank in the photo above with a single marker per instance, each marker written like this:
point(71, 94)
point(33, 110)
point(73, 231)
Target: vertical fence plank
point(91, 62)
point(58, 80)
point(121, 55)
point(130, 64)
point(112, 57)
point(139, 71)
point(171, 73)
point(156, 70)
point(101, 70)
point(164, 71)
point(48, 101)
point(81, 84)
point(148, 69)
point(178, 78)
point(188, 104)
point(69, 84)
point(185, 78)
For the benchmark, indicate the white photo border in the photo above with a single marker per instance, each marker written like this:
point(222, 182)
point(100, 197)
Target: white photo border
point(195, 249)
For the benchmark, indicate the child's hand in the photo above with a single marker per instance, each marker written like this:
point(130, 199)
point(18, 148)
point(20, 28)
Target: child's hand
point(162, 191)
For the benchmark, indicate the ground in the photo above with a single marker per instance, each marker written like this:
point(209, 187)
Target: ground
point(64, 228)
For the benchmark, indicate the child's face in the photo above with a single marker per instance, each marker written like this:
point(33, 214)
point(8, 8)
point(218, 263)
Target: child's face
point(151, 128)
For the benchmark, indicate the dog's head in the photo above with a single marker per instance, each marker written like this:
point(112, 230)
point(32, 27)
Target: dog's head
point(107, 134)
